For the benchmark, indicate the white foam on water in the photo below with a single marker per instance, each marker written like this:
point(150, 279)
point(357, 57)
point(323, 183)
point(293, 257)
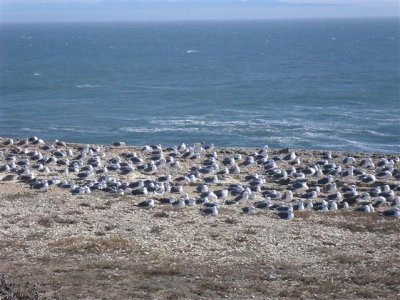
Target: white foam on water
point(375, 133)
point(76, 129)
point(87, 86)
point(159, 129)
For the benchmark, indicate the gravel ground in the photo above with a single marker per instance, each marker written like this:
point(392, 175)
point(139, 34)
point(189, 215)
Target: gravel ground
point(57, 245)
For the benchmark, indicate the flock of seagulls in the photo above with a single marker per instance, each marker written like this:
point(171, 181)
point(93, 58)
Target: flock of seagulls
point(281, 181)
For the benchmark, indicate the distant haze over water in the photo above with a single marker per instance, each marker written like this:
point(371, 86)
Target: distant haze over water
point(312, 84)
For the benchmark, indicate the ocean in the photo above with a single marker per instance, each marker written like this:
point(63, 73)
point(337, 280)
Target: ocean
point(311, 84)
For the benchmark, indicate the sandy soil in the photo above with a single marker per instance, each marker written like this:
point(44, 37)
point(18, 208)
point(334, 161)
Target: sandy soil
point(56, 245)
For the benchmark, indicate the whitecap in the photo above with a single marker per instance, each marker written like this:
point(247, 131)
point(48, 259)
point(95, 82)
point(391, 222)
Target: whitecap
point(375, 133)
point(192, 51)
point(159, 129)
point(37, 74)
point(87, 86)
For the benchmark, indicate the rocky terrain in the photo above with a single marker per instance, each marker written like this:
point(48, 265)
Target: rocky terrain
point(70, 231)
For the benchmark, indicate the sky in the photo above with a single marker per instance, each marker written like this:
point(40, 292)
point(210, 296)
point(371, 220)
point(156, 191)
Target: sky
point(157, 10)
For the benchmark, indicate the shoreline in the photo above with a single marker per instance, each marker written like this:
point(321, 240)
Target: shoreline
point(348, 152)
point(101, 243)
point(275, 149)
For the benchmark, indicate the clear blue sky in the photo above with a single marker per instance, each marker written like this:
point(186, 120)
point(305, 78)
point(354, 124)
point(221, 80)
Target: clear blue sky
point(139, 10)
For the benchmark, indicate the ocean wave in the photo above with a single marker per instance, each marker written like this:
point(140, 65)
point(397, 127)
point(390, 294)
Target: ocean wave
point(205, 122)
point(375, 133)
point(88, 86)
point(28, 129)
point(159, 129)
point(91, 130)
point(164, 87)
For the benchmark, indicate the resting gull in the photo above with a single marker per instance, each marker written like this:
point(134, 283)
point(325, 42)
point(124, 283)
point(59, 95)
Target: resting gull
point(146, 204)
point(393, 212)
point(286, 215)
point(250, 210)
point(210, 210)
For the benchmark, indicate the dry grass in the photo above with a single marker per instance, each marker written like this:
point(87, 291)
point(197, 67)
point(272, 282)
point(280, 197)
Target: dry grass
point(250, 231)
point(231, 221)
point(350, 259)
point(207, 287)
point(45, 222)
point(303, 215)
point(362, 222)
point(93, 245)
point(11, 291)
point(73, 213)
point(161, 214)
point(156, 229)
point(164, 270)
point(66, 221)
point(11, 244)
point(17, 196)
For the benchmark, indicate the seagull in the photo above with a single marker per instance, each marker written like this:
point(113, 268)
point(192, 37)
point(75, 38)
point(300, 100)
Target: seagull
point(286, 215)
point(367, 163)
point(375, 192)
point(249, 160)
point(212, 196)
point(325, 180)
point(287, 196)
point(380, 201)
point(368, 179)
point(202, 188)
point(384, 175)
point(299, 206)
point(299, 186)
point(383, 163)
point(387, 195)
point(234, 170)
point(348, 160)
point(386, 188)
point(349, 172)
point(291, 156)
point(336, 196)
point(146, 204)
point(324, 206)
point(229, 161)
point(281, 176)
point(311, 195)
point(251, 210)
point(309, 205)
point(275, 195)
point(210, 210)
point(393, 212)
point(243, 197)
point(177, 189)
point(211, 204)
point(333, 206)
point(366, 209)
point(396, 201)
point(190, 202)
point(142, 191)
point(179, 203)
point(222, 194)
point(41, 186)
point(331, 188)
point(265, 204)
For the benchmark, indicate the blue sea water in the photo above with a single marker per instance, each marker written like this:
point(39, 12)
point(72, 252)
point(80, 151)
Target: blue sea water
point(312, 84)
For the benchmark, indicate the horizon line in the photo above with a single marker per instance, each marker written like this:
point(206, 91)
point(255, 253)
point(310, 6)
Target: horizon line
point(203, 20)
